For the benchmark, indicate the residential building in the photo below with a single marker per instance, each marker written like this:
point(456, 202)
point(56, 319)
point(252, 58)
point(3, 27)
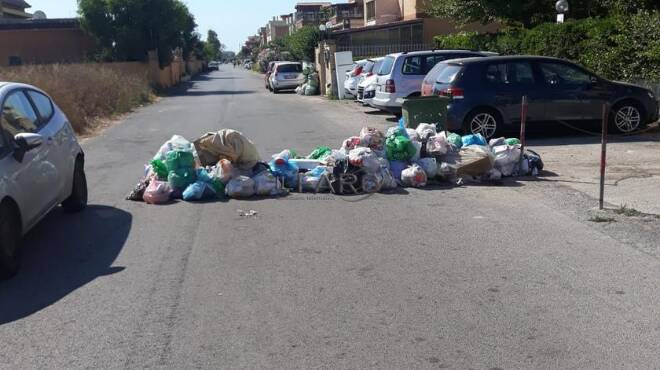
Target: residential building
point(345, 15)
point(263, 36)
point(14, 9)
point(310, 14)
point(43, 41)
point(276, 29)
point(290, 21)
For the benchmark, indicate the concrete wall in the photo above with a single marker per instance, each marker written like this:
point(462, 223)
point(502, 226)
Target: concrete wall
point(411, 9)
point(386, 11)
point(34, 46)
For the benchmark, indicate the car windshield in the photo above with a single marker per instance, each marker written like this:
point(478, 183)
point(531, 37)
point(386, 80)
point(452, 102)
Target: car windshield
point(386, 67)
point(368, 67)
point(289, 68)
point(448, 74)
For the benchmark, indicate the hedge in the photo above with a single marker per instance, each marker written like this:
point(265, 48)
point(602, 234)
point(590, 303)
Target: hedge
point(619, 47)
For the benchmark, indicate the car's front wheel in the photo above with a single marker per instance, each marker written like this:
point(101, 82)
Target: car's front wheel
point(77, 201)
point(626, 118)
point(10, 235)
point(484, 121)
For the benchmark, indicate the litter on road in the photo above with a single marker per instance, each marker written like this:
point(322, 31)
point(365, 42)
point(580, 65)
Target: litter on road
point(227, 164)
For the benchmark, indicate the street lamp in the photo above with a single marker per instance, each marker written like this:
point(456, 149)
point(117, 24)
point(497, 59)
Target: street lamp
point(562, 9)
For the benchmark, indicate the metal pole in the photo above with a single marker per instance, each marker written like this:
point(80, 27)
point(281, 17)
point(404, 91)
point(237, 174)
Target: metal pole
point(523, 124)
point(603, 154)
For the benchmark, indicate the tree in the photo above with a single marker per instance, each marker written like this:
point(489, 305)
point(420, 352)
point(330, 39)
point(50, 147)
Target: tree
point(214, 47)
point(128, 29)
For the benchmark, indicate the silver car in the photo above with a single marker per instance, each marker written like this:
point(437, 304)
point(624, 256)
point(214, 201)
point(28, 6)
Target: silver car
point(41, 166)
point(286, 76)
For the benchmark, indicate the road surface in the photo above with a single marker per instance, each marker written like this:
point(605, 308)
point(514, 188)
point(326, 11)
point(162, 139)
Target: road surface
point(472, 277)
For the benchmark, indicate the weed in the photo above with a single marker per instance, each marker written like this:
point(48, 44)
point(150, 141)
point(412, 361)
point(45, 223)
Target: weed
point(630, 212)
point(601, 219)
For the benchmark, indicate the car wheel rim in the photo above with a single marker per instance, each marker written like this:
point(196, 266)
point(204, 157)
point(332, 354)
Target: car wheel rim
point(627, 119)
point(484, 124)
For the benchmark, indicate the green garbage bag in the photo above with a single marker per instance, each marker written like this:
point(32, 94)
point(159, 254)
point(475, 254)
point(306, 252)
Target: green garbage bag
point(160, 169)
point(455, 140)
point(400, 148)
point(177, 159)
point(512, 141)
point(180, 179)
point(320, 153)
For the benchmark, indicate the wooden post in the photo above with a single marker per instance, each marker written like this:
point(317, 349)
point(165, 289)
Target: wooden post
point(603, 154)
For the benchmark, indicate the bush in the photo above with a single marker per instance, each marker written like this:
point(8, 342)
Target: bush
point(622, 47)
point(87, 93)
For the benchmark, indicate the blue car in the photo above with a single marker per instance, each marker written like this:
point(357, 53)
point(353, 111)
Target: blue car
point(487, 92)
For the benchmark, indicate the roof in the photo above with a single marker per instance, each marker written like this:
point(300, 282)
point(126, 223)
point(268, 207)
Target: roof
point(31, 24)
point(506, 58)
point(435, 51)
point(16, 3)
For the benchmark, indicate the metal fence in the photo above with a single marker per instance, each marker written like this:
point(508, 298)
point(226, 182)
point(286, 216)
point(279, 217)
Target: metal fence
point(381, 50)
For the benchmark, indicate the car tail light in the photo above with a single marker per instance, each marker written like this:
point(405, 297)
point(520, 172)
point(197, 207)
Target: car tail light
point(390, 87)
point(370, 74)
point(357, 72)
point(452, 92)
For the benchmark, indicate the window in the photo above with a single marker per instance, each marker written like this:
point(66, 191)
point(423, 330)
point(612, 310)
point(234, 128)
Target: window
point(371, 10)
point(18, 115)
point(412, 66)
point(289, 68)
point(430, 62)
point(448, 74)
point(563, 75)
point(520, 73)
point(43, 104)
point(386, 67)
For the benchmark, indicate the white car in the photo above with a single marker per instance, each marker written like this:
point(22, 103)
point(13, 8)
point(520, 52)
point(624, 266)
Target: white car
point(286, 76)
point(353, 77)
point(367, 87)
point(41, 166)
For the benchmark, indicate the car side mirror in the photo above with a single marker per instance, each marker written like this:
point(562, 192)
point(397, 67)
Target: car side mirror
point(26, 142)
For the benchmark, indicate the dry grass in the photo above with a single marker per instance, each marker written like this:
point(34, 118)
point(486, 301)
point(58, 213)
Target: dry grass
point(87, 93)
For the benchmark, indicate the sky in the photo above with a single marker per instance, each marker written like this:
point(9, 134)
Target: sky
point(233, 20)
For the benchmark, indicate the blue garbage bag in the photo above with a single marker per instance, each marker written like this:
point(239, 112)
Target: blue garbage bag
point(396, 167)
point(286, 171)
point(476, 139)
point(199, 190)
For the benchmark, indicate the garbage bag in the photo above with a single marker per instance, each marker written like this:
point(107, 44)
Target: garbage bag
point(227, 144)
point(137, 194)
point(364, 158)
point(455, 140)
point(437, 145)
point(320, 153)
point(240, 187)
point(399, 148)
point(286, 171)
point(388, 182)
point(199, 190)
point(372, 138)
point(497, 142)
point(412, 134)
point(176, 143)
point(512, 141)
point(418, 150)
point(476, 139)
point(158, 192)
point(177, 159)
point(414, 176)
point(372, 182)
point(312, 181)
point(429, 165)
point(159, 168)
point(535, 161)
point(286, 155)
point(180, 179)
point(426, 130)
point(473, 160)
point(310, 90)
point(350, 144)
point(207, 177)
point(223, 171)
point(396, 167)
point(266, 184)
point(507, 159)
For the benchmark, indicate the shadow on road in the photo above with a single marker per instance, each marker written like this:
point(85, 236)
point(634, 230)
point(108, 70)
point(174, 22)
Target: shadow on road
point(63, 253)
point(213, 92)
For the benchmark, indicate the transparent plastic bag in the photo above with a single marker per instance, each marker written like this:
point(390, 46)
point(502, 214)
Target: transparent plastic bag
point(414, 176)
point(240, 187)
point(364, 158)
point(266, 184)
point(437, 145)
point(158, 192)
point(430, 166)
point(176, 143)
point(388, 182)
point(426, 130)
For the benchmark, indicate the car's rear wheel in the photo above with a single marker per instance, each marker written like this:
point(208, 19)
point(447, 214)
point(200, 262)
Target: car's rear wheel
point(484, 121)
point(77, 201)
point(627, 117)
point(10, 235)
point(275, 91)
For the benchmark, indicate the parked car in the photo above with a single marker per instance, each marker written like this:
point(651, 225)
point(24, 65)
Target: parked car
point(269, 70)
point(41, 166)
point(353, 76)
point(367, 86)
point(286, 76)
point(401, 75)
point(214, 66)
point(487, 92)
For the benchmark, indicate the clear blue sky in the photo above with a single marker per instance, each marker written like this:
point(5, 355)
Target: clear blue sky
point(233, 20)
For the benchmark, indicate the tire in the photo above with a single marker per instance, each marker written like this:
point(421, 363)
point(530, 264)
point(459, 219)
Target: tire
point(627, 117)
point(10, 237)
point(77, 201)
point(275, 91)
point(486, 122)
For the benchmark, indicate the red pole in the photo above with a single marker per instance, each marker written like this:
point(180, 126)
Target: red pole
point(603, 154)
point(523, 124)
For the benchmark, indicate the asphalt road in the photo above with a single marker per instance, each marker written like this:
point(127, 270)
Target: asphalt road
point(473, 277)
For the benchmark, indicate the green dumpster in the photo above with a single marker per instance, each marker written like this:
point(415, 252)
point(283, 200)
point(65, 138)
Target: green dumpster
point(425, 109)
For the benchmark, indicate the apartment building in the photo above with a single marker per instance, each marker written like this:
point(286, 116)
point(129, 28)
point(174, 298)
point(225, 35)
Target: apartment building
point(345, 15)
point(387, 11)
point(276, 29)
point(14, 9)
point(310, 14)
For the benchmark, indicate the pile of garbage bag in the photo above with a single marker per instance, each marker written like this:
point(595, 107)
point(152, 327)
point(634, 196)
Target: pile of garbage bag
point(227, 164)
point(311, 85)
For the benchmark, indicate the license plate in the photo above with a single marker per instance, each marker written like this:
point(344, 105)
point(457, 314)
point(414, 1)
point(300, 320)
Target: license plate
point(290, 77)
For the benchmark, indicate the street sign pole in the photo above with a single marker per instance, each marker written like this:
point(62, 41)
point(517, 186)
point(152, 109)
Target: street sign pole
point(603, 154)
